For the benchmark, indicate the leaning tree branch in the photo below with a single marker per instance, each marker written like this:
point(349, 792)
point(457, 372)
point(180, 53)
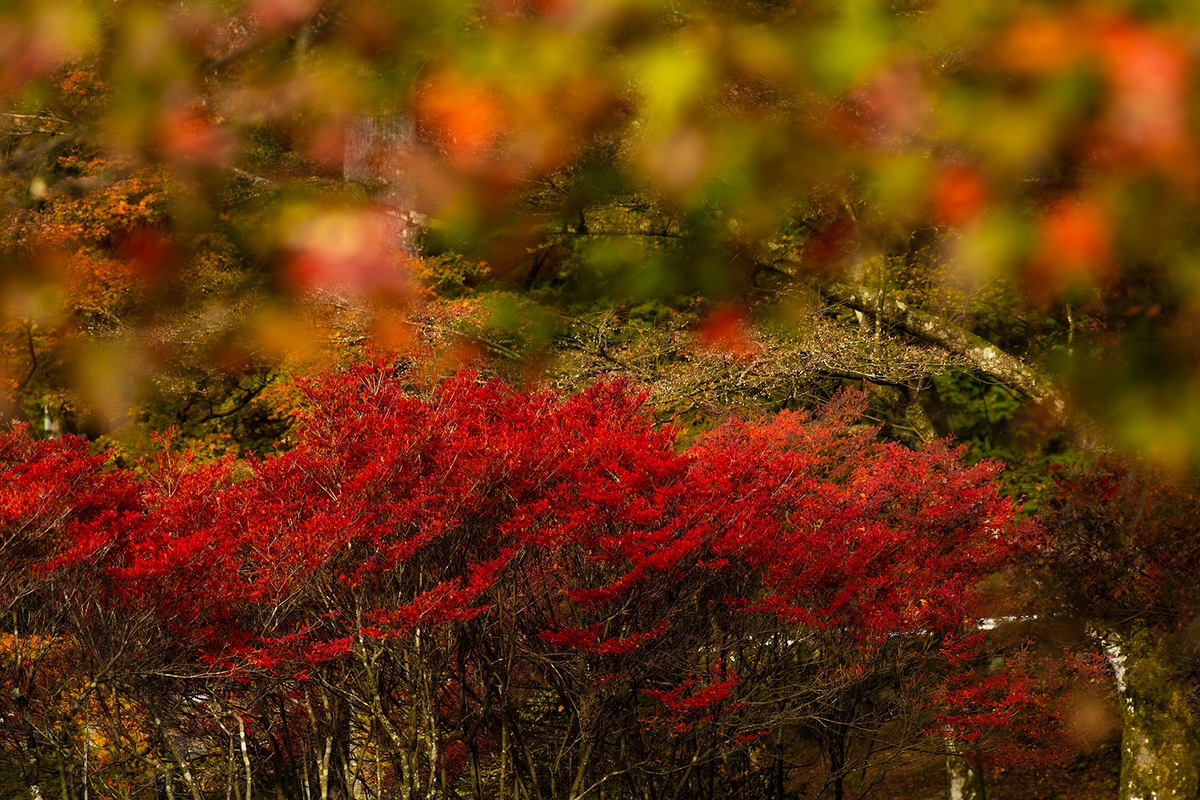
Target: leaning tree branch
point(978, 352)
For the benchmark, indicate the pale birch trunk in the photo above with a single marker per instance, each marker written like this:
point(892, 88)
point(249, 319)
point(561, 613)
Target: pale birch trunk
point(966, 782)
point(403, 744)
point(323, 768)
point(245, 754)
point(428, 712)
point(322, 758)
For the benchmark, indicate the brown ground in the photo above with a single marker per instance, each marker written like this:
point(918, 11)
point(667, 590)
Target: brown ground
point(1092, 776)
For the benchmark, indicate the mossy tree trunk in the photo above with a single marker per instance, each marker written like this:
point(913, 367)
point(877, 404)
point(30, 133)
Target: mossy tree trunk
point(1160, 749)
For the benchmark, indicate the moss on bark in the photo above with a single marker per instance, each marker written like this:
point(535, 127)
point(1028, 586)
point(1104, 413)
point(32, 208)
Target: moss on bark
point(1160, 749)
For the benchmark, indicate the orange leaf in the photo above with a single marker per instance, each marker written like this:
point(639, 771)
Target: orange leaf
point(959, 195)
point(464, 116)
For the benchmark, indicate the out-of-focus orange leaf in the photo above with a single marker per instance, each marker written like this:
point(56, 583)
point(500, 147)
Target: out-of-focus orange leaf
point(107, 374)
point(522, 9)
point(274, 15)
point(276, 335)
point(1041, 43)
point(1075, 247)
point(29, 48)
point(725, 330)
point(327, 145)
point(464, 354)
point(1090, 718)
point(370, 28)
point(959, 195)
point(556, 121)
point(152, 254)
point(1076, 232)
point(186, 134)
point(463, 115)
point(1147, 72)
point(394, 334)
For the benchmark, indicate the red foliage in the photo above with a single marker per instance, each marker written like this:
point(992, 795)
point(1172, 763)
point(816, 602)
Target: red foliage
point(1124, 550)
point(567, 525)
point(1016, 707)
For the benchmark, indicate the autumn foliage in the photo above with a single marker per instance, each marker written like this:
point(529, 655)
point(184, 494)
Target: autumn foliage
point(459, 584)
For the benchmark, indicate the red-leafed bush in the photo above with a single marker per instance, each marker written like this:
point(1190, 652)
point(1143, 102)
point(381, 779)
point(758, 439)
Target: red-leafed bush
point(467, 566)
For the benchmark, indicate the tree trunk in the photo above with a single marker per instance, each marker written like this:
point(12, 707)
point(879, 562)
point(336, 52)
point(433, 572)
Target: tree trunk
point(31, 767)
point(356, 747)
point(181, 762)
point(1160, 750)
point(966, 782)
point(245, 753)
point(323, 768)
point(376, 154)
point(835, 752)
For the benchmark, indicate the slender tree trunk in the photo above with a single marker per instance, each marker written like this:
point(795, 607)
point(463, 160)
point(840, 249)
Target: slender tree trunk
point(379, 744)
point(503, 748)
point(323, 768)
point(245, 753)
point(836, 782)
point(287, 777)
point(355, 750)
point(322, 758)
point(31, 767)
point(523, 763)
point(178, 758)
point(966, 782)
point(63, 780)
point(229, 772)
point(1160, 749)
point(428, 711)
